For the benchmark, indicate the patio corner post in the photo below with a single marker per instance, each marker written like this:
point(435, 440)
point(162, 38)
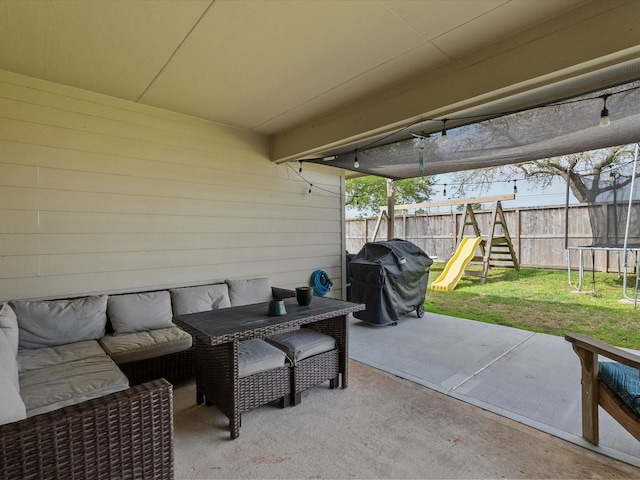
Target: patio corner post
point(391, 210)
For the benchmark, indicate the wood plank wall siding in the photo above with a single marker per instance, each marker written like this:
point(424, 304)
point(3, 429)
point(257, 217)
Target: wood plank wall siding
point(99, 194)
point(537, 234)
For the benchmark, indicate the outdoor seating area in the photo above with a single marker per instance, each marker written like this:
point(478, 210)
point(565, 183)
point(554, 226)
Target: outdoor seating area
point(61, 359)
point(172, 172)
point(245, 358)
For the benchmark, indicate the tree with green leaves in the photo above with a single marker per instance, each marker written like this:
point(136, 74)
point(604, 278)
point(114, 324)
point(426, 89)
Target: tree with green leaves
point(368, 194)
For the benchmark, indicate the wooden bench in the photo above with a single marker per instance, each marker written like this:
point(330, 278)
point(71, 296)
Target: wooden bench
point(595, 392)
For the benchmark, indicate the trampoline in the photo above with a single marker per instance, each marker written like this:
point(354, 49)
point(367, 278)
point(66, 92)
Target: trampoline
point(614, 216)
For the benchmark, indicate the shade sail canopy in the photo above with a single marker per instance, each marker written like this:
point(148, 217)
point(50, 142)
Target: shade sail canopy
point(502, 138)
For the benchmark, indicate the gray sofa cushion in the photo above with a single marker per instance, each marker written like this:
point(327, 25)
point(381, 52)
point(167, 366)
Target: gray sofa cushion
point(8, 361)
point(303, 343)
point(9, 325)
point(50, 388)
point(132, 347)
point(199, 299)
point(12, 407)
point(35, 358)
point(138, 312)
point(58, 322)
point(249, 291)
point(255, 356)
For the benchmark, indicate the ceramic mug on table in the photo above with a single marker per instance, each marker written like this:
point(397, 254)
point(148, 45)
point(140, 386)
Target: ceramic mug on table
point(276, 308)
point(303, 295)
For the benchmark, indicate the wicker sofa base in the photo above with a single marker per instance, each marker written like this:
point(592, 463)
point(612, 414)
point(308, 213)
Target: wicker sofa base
point(123, 435)
point(174, 367)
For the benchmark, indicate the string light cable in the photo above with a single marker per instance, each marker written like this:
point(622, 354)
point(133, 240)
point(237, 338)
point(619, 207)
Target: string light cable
point(310, 184)
point(604, 119)
point(472, 185)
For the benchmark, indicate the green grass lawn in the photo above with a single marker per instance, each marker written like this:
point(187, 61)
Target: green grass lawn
point(542, 301)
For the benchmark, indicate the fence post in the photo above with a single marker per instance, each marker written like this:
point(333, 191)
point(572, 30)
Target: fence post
point(391, 210)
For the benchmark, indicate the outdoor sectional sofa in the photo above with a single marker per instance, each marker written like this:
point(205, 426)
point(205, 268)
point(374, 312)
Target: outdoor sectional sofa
point(83, 381)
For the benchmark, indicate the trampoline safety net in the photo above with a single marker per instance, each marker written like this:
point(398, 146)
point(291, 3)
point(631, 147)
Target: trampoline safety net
point(614, 206)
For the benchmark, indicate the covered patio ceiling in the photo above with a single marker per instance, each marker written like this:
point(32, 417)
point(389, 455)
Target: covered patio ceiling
point(321, 77)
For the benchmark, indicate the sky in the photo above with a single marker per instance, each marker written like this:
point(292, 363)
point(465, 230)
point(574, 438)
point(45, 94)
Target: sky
point(528, 195)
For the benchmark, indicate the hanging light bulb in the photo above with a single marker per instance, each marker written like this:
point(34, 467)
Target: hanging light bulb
point(300, 169)
point(310, 185)
point(443, 136)
point(604, 114)
point(515, 187)
point(444, 190)
point(356, 163)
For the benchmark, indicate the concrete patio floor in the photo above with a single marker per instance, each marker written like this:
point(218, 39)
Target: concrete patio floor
point(532, 378)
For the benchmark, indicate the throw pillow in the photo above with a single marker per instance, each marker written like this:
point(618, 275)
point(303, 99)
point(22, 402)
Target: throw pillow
point(9, 325)
point(8, 361)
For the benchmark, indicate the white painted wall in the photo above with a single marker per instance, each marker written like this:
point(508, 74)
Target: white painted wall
point(99, 194)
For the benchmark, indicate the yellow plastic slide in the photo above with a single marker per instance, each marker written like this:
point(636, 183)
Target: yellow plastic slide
point(451, 274)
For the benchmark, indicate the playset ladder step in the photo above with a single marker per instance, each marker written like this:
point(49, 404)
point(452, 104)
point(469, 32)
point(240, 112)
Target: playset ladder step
point(497, 249)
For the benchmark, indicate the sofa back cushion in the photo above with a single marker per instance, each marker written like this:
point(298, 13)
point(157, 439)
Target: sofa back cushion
point(57, 322)
point(137, 312)
point(12, 407)
point(249, 291)
point(8, 361)
point(199, 299)
point(9, 325)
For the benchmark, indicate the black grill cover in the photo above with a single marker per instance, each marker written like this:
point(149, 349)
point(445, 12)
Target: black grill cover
point(390, 278)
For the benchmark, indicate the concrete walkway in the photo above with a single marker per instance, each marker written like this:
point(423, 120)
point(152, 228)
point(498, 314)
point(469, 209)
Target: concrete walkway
point(532, 378)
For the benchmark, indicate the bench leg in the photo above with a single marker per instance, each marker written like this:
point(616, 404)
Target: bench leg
point(334, 382)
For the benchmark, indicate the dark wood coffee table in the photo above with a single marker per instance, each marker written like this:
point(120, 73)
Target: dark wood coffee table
point(217, 333)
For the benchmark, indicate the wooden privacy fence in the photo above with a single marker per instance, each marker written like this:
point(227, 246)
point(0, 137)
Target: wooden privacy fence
point(537, 233)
